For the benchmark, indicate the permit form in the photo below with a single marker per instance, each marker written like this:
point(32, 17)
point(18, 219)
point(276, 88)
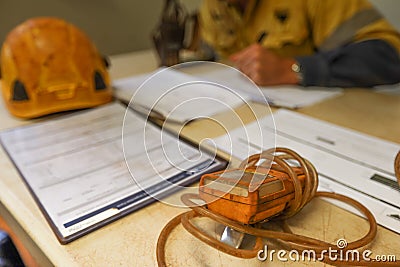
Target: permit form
point(83, 174)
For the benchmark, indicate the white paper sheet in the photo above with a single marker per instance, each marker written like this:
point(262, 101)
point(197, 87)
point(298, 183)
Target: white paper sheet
point(393, 89)
point(294, 97)
point(348, 162)
point(75, 166)
point(289, 96)
point(170, 94)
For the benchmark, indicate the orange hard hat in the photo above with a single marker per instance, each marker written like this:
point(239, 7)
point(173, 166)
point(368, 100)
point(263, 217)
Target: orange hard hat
point(49, 65)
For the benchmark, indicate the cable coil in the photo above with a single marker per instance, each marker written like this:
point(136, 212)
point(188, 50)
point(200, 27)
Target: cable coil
point(277, 158)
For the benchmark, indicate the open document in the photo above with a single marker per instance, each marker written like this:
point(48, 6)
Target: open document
point(201, 89)
point(348, 162)
point(288, 96)
point(86, 170)
point(172, 95)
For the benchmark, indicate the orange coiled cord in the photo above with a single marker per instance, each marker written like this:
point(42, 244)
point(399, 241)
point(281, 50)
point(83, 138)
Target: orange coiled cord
point(276, 158)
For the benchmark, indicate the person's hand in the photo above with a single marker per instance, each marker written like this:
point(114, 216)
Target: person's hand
point(265, 67)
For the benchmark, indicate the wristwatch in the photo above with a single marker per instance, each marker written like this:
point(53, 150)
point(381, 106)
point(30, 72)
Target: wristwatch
point(296, 68)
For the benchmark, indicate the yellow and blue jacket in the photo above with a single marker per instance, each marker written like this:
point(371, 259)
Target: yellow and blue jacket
point(344, 43)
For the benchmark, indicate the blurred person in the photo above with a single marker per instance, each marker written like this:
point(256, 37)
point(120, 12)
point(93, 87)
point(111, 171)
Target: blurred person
point(332, 43)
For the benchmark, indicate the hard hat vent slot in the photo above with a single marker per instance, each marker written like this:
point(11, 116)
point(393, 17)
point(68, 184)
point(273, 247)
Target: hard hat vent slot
point(19, 92)
point(99, 81)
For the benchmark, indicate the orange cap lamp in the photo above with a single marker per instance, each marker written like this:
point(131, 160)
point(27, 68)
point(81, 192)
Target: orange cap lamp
point(48, 65)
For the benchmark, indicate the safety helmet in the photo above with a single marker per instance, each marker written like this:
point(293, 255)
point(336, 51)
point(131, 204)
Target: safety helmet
point(49, 65)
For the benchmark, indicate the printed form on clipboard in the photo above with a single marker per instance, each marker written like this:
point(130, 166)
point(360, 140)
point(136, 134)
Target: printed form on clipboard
point(348, 162)
point(76, 166)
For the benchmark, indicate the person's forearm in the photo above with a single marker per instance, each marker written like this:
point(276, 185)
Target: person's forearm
point(364, 64)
